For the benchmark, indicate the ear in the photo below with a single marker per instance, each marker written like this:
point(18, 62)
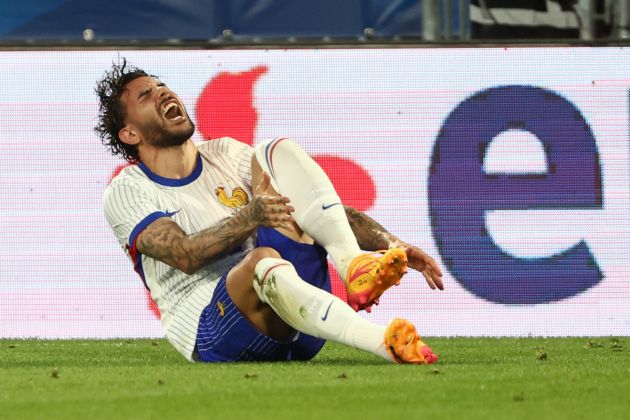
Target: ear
point(128, 135)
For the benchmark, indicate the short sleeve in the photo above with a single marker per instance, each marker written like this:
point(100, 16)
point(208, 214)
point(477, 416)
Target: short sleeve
point(128, 210)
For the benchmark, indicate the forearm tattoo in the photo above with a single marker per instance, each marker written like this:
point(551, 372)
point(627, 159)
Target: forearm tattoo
point(370, 235)
point(166, 241)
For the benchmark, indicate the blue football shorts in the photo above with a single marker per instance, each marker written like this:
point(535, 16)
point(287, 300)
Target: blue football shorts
point(224, 335)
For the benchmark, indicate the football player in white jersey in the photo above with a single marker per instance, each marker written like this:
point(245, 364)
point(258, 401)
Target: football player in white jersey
point(187, 215)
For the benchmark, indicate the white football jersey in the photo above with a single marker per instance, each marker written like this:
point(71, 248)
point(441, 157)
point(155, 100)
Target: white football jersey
point(218, 186)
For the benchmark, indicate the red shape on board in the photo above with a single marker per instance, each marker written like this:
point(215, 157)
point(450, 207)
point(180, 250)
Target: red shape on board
point(226, 106)
point(152, 305)
point(337, 286)
point(117, 170)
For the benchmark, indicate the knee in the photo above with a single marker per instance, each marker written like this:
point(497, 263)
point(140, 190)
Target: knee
point(258, 254)
point(282, 145)
point(239, 279)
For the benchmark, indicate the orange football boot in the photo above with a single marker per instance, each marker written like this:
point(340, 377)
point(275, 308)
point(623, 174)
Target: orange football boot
point(369, 275)
point(405, 346)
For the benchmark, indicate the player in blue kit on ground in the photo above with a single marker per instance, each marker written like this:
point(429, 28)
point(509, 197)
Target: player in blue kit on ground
point(187, 216)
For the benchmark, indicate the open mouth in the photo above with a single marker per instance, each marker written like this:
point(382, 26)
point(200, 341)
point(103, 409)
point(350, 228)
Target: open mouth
point(172, 111)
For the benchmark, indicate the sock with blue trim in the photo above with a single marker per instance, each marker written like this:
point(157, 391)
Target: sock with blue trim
point(314, 311)
point(318, 208)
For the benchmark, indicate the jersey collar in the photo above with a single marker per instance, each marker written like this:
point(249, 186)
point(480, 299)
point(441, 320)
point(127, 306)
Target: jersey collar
point(170, 182)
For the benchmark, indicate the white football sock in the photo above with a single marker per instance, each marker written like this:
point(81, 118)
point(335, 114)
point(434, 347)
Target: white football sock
point(314, 311)
point(318, 208)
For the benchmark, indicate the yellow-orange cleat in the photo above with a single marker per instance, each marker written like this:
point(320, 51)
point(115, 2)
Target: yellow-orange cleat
point(369, 275)
point(405, 346)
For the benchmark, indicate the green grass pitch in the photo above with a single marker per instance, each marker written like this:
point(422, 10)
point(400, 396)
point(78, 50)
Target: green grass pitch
point(507, 378)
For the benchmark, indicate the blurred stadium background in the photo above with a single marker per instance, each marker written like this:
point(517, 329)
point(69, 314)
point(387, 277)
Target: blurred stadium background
point(493, 134)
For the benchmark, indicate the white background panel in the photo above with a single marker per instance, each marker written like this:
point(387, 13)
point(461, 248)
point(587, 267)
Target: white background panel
point(62, 273)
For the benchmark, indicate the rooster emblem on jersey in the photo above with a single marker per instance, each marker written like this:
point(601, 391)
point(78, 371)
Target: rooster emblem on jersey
point(238, 199)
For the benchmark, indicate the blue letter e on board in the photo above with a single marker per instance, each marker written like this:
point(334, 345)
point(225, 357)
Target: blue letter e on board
point(460, 193)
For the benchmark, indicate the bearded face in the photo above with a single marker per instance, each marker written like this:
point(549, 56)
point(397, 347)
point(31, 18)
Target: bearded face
point(156, 113)
point(173, 128)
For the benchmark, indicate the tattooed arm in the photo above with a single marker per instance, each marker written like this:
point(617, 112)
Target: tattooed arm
point(166, 241)
point(371, 236)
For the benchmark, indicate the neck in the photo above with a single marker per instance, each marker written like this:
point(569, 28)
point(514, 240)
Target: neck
point(175, 162)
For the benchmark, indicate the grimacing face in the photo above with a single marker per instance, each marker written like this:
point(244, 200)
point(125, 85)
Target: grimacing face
point(156, 113)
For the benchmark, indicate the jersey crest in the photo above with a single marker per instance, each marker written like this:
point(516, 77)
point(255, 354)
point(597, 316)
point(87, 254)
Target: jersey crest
point(239, 197)
point(221, 308)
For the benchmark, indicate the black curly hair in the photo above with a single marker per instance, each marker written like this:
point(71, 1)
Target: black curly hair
point(111, 116)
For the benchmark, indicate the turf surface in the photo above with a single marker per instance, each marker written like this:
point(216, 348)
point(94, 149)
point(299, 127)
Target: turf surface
point(568, 378)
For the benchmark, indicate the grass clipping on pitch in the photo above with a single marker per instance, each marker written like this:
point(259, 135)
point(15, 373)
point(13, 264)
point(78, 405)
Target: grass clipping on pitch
point(555, 378)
